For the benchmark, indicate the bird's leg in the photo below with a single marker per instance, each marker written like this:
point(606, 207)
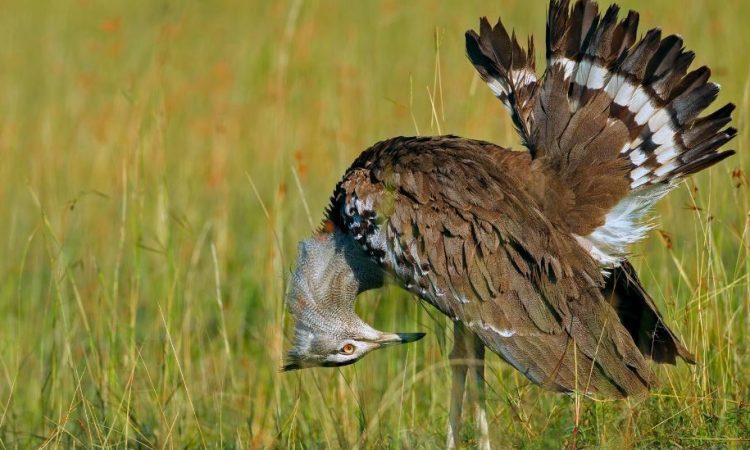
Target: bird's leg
point(459, 358)
point(480, 413)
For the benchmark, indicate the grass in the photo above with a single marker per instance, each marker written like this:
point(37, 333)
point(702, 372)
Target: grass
point(160, 160)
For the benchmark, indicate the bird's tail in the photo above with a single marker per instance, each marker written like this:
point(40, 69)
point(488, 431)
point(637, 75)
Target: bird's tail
point(615, 122)
point(507, 68)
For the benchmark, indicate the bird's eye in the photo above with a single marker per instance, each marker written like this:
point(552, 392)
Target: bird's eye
point(347, 349)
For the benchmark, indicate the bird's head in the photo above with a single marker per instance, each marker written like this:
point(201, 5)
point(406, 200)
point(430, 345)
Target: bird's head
point(331, 271)
point(333, 349)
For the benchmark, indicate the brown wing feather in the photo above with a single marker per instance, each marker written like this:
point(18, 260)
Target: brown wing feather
point(455, 225)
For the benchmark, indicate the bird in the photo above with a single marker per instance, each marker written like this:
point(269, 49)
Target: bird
point(526, 251)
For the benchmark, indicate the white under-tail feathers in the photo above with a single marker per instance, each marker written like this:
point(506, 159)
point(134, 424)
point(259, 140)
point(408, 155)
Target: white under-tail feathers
point(624, 225)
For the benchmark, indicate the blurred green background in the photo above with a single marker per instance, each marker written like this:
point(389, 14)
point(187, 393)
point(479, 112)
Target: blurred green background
point(161, 159)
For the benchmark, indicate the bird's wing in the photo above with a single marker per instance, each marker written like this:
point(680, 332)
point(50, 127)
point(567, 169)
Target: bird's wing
point(614, 123)
point(448, 217)
point(639, 315)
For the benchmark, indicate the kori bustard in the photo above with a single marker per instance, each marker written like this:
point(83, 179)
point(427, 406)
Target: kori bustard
point(526, 251)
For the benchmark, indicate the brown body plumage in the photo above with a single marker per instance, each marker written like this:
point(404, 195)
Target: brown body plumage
point(525, 251)
point(479, 241)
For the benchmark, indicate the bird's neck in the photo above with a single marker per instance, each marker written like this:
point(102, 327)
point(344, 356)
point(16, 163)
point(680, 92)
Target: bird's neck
point(331, 271)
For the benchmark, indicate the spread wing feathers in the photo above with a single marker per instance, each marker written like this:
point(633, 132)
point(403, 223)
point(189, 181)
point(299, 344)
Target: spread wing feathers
point(446, 216)
point(507, 68)
point(616, 122)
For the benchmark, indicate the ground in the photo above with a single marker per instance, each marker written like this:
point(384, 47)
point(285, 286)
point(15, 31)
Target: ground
point(160, 160)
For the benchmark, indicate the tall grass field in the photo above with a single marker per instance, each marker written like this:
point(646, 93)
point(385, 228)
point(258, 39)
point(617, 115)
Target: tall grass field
point(160, 160)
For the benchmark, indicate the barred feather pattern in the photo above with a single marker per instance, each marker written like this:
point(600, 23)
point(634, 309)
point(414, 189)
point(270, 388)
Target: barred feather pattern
point(644, 85)
point(507, 68)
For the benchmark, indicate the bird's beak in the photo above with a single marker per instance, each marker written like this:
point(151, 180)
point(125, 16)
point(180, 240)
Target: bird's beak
point(399, 338)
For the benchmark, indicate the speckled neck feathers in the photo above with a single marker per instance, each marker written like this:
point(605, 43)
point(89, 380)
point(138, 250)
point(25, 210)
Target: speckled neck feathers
point(331, 271)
